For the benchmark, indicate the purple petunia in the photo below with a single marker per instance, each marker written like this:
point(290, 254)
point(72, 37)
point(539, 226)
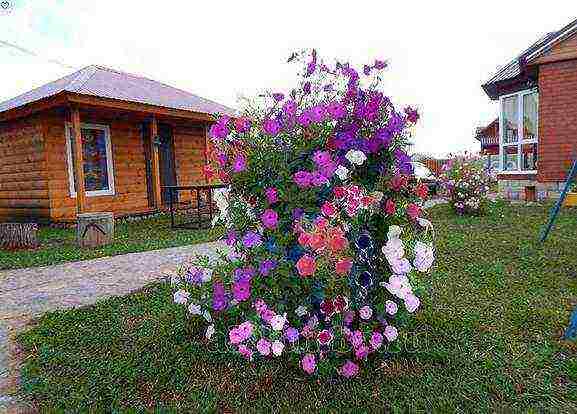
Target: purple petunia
point(318, 113)
point(291, 334)
point(241, 290)
point(269, 219)
point(251, 239)
point(239, 163)
point(278, 96)
point(289, 108)
point(219, 130)
point(336, 110)
point(267, 266)
point(305, 119)
point(271, 195)
point(271, 127)
point(219, 301)
point(302, 179)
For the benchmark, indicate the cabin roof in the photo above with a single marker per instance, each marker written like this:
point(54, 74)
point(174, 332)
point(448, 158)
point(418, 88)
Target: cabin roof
point(109, 83)
point(514, 68)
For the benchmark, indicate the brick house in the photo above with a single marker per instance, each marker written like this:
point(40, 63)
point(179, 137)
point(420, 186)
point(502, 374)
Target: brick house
point(537, 124)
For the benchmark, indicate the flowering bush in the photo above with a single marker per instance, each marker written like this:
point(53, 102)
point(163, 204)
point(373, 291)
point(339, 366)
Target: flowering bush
point(326, 235)
point(466, 182)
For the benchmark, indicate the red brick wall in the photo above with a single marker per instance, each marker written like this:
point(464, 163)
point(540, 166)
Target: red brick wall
point(557, 119)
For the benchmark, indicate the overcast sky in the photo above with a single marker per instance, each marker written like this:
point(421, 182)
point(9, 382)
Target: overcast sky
point(439, 51)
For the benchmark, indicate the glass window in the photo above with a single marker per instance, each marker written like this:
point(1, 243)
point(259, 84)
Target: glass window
point(510, 158)
point(530, 111)
point(510, 118)
point(97, 162)
point(519, 153)
point(529, 157)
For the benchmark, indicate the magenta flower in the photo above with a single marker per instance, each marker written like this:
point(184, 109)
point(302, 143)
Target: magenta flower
point(219, 131)
point(245, 351)
point(362, 352)
point(290, 108)
point(318, 113)
point(336, 110)
point(241, 290)
point(239, 163)
point(263, 346)
point(376, 340)
point(302, 179)
point(271, 195)
point(321, 158)
point(271, 127)
point(349, 369)
point(269, 218)
point(309, 363)
point(305, 119)
point(242, 125)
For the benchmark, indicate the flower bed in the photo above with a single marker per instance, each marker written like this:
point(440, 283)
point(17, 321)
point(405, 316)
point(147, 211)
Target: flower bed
point(325, 229)
point(466, 182)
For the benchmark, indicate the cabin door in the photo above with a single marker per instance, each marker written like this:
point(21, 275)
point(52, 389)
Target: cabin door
point(167, 162)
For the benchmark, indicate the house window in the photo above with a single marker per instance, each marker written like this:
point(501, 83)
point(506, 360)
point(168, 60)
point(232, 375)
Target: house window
point(518, 138)
point(97, 154)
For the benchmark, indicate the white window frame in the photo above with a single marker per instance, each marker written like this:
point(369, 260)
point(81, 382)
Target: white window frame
point(521, 139)
point(109, 161)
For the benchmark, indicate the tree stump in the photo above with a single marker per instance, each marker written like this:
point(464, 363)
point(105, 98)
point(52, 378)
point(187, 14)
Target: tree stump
point(94, 229)
point(18, 236)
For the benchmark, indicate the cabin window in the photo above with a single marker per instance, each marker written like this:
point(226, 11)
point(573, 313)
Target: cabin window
point(519, 118)
point(97, 154)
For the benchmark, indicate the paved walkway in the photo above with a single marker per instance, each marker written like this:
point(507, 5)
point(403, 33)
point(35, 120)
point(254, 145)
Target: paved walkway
point(28, 293)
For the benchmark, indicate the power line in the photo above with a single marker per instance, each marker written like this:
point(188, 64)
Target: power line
point(32, 53)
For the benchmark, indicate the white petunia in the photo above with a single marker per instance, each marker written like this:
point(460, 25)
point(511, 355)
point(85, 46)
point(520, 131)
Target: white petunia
point(301, 311)
point(181, 296)
point(356, 157)
point(277, 322)
point(209, 332)
point(424, 256)
point(207, 316)
point(342, 172)
point(394, 250)
point(194, 309)
point(277, 348)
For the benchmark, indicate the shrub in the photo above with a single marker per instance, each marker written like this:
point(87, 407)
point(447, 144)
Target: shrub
point(466, 181)
point(326, 236)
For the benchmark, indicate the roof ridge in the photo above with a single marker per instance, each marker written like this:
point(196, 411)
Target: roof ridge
point(79, 81)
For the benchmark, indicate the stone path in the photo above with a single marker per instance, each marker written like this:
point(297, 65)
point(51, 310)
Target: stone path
point(28, 293)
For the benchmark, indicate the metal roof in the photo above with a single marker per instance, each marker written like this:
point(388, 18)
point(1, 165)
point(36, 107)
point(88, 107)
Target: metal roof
point(514, 68)
point(109, 83)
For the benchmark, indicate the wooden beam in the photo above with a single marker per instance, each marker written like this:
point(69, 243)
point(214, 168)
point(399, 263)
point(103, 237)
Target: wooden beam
point(33, 107)
point(155, 163)
point(78, 161)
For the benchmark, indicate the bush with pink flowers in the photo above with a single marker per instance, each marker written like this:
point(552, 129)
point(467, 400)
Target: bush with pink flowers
point(327, 239)
point(466, 181)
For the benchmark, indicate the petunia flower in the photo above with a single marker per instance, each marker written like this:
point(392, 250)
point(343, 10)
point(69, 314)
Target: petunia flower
point(271, 127)
point(181, 296)
point(277, 347)
point(308, 363)
point(391, 333)
point(349, 369)
point(263, 346)
point(269, 219)
point(306, 265)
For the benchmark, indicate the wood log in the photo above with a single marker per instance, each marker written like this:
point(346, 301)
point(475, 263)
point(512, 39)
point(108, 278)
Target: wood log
point(94, 229)
point(18, 236)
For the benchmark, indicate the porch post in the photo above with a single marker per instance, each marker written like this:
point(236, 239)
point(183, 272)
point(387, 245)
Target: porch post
point(78, 161)
point(155, 163)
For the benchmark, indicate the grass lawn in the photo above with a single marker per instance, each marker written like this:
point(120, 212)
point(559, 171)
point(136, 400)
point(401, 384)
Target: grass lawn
point(487, 338)
point(57, 245)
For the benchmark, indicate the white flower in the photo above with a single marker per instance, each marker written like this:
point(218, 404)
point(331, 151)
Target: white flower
point(181, 296)
point(301, 311)
point(209, 332)
point(207, 316)
point(394, 250)
point(365, 312)
point(424, 256)
point(356, 157)
point(394, 232)
point(398, 286)
point(277, 347)
point(277, 322)
point(342, 172)
point(194, 309)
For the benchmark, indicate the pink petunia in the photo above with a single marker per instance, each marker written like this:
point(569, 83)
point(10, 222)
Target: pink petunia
point(349, 369)
point(269, 219)
point(263, 346)
point(308, 363)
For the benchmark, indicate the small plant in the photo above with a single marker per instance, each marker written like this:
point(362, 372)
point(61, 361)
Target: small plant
point(466, 182)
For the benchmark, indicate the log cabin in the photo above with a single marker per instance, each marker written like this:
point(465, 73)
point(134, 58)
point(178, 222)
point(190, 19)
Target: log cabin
point(536, 132)
point(99, 140)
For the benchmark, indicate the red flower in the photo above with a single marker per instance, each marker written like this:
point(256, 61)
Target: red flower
point(327, 307)
point(304, 239)
point(209, 173)
point(341, 303)
point(422, 191)
point(398, 182)
point(344, 266)
point(339, 192)
point(306, 265)
point(367, 201)
point(390, 207)
point(338, 243)
point(325, 337)
point(413, 211)
point(317, 242)
point(328, 209)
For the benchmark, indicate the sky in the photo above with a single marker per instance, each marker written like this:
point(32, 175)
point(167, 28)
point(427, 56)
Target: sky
point(439, 52)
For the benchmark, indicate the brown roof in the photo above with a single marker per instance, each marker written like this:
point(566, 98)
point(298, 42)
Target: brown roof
point(103, 82)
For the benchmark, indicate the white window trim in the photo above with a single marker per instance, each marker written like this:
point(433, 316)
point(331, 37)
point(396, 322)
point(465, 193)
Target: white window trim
point(109, 162)
point(518, 144)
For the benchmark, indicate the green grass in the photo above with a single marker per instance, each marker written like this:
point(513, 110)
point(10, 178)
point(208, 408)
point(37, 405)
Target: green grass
point(58, 245)
point(486, 339)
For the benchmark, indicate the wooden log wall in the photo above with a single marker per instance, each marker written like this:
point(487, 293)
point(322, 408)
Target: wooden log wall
point(189, 145)
point(24, 191)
